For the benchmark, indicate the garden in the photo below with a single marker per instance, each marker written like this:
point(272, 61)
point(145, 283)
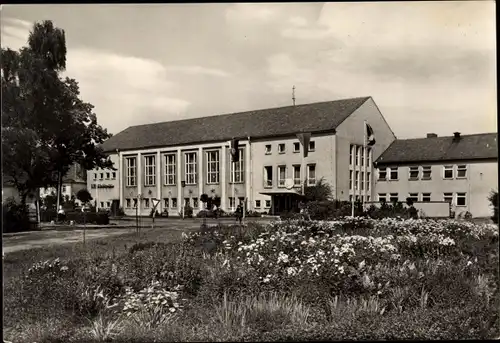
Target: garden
point(291, 280)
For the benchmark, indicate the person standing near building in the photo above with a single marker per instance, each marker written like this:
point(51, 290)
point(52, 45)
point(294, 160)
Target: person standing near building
point(239, 213)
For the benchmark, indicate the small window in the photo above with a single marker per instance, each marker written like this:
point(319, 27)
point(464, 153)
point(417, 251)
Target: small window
point(128, 203)
point(102, 176)
point(135, 202)
point(257, 203)
point(382, 197)
point(108, 204)
point(195, 202)
point(367, 198)
point(174, 202)
point(448, 197)
point(350, 198)
point(102, 203)
point(413, 197)
point(268, 203)
point(462, 171)
point(281, 148)
point(146, 202)
point(448, 172)
point(394, 173)
point(107, 176)
point(268, 149)
point(312, 145)
point(64, 188)
point(296, 147)
point(382, 174)
point(114, 175)
point(461, 199)
point(95, 176)
point(394, 197)
point(187, 202)
point(231, 202)
point(166, 202)
point(426, 173)
point(426, 197)
point(414, 173)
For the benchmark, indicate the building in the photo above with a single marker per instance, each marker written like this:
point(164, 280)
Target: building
point(74, 180)
point(460, 169)
point(178, 161)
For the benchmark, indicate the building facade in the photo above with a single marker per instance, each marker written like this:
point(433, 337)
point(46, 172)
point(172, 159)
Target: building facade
point(176, 162)
point(461, 170)
point(74, 180)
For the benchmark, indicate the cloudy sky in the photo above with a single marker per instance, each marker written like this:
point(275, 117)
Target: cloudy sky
point(430, 66)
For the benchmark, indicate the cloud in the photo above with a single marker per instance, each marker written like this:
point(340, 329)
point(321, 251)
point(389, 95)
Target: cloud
point(298, 21)
point(197, 70)
point(124, 89)
point(251, 12)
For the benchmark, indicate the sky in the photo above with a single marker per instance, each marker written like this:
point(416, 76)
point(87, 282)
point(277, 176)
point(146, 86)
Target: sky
point(429, 66)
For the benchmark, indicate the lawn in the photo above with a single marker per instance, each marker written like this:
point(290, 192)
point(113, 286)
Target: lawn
point(358, 279)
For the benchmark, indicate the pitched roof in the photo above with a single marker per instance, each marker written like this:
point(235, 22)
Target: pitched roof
point(468, 147)
point(315, 117)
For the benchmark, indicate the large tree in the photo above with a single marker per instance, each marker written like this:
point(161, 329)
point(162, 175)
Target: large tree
point(46, 127)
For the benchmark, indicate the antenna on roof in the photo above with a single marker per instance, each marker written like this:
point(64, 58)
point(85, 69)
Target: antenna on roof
point(293, 95)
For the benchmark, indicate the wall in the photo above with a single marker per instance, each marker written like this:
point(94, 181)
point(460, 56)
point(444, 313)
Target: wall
point(104, 194)
point(351, 132)
point(481, 178)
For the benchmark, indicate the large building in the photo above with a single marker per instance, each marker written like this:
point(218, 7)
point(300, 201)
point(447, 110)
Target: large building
point(460, 169)
point(156, 160)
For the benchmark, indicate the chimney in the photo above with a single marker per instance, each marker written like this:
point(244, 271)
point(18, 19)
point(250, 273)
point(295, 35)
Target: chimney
point(431, 135)
point(456, 136)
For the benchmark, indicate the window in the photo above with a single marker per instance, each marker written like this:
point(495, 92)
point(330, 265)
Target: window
point(281, 176)
point(394, 173)
point(146, 202)
point(350, 179)
point(150, 170)
point(413, 173)
point(107, 176)
point(358, 155)
point(448, 172)
point(281, 148)
point(413, 197)
point(268, 176)
point(461, 171)
point(174, 202)
point(351, 160)
point(231, 202)
point(237, 170)
point(102, 203)
point(362, 157)
point(382, 174)
point(128, 203)
point(312, 145)
point(166, 202)
point(108, 204)
point(114, 175)
point(64, 188)
point(426, 173)
point(356, 181)
point(368, 156)
point(368, 180)
point(195, 202)
point(135, 202)
point(169, 170)
point(394, 197)
point(296, 147)
point(191, 168)
point(102, 176)
point(131, 163)
point(350, 198)
point(296, 175)
point(212, 167)
point(362, 181)
point(257, 203)
point(461, 199)
point(367, 198)
point(187, 202)
point(448, 197)
point(268, 203)
point(95, 176)
point(426, 197)
point(268, 149)
point(311, 174)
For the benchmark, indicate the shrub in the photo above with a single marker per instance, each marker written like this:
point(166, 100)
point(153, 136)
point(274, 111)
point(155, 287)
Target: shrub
point(15, 217)
point(493, 199)
point(188, 211)
point(99, 218)
point(48, 215)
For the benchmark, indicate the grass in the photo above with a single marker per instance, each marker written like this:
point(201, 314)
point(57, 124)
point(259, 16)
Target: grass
point(223, 299)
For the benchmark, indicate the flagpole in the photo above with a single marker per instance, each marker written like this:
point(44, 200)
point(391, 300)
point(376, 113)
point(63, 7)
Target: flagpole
point(353, 180)
point(364, 164)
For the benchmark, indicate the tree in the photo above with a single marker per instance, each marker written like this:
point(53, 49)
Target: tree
point(321, 191)
point(493, 199)
point(46, 127)
point(84, 196)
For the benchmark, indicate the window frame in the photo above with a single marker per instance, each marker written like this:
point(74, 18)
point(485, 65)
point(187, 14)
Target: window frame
point(391, 196)
point(451, 169)
point(268, 149)
point(169, 164)
point(312, 145)
point(281, 145)
point(424, 169)
point(281, 182)
point(461, 167)
point(449, 196)
point(213, 164)
point(392, 171)
point(309, 183)
point(237, 168)
point(257, 203)
point(296, 144)
point(131, 179)
point(295, 168)
point(268, 183)
point(149, 171)
point(191, 168)
point(426, 195)
point(459, 196)
point(382, 197)
point(266, 204)
point(411, 170)
point(384, 171)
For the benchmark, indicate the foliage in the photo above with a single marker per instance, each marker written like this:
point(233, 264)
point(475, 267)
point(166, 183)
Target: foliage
point(493, 199)
point(393, 210)
point(188, 211)
point(321, 191)
point(84, 196)
point(14, 217)
point(79, 217)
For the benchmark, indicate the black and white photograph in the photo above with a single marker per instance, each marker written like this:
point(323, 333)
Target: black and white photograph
point(223, 172)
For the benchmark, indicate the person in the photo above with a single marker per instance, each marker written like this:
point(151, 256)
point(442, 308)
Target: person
point(239, 213)
point(61, 214)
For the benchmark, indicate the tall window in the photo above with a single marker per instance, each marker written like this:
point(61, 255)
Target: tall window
point(461, 199)
point(128, 203)
point(382, 174)
point(166, 202)
point(362, 181)
point(150, 170)
point(296, 175)
point(237, 169)
point(131, 171)
point(268, 176)
point(426, 172)
point(281, 148)
point(174, 202)
point(413, 173)
point(368, 180)
point(312, 146)
point(462, 171)
point(146, 202)
point(356, 181)
point(281, 176)
point(191, 168)
point(448, 172)
point(350, 179)
point(358, 155)
point(231, 202)
point(311, 174)
point(212, 167)
point(351, 156)
point(170, 169)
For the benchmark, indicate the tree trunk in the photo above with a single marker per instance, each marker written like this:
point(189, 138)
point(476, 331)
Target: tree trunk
point(58, 193)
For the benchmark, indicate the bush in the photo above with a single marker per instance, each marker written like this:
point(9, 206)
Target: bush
point(99, 218)
point(329, 210)
point(15, 217)
point(48, 215)
point(493, 199)
point(188, 211)
point(393, 210)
